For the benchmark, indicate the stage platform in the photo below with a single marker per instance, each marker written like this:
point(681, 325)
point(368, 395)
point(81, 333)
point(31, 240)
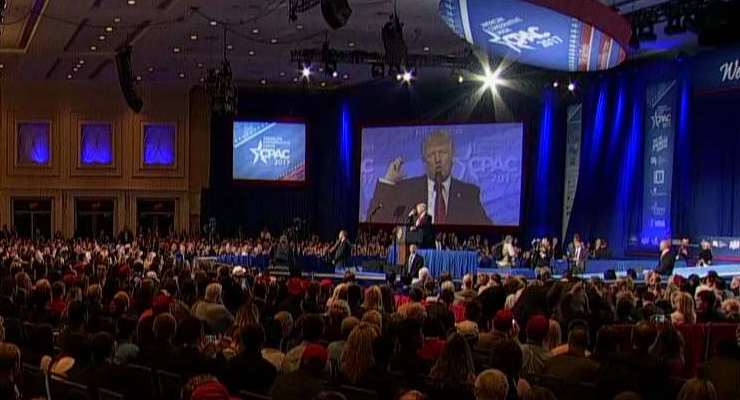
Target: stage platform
point(595, 268)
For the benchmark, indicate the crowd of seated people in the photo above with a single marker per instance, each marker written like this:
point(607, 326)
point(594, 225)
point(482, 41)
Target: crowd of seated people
point(99, 313)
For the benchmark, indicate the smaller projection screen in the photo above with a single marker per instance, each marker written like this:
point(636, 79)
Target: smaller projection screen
point(269, 151)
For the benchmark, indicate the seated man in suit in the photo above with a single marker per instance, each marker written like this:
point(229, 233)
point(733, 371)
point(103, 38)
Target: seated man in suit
point(450, 200)
point(667, 259)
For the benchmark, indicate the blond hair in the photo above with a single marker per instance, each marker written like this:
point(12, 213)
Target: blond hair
point(685, 306)
point(357, 357)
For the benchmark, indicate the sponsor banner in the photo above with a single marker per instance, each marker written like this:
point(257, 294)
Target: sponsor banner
point(572, 161)
point(660, 119)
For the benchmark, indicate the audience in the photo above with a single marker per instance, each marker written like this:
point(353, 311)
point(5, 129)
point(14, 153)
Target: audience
point(95, 312)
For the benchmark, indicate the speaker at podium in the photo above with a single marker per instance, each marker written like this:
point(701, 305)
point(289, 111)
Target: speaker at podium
point(405, 237)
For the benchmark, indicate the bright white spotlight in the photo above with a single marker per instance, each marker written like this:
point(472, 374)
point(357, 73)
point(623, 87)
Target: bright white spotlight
point(491, 79)
point(571, 87)
point(407, 76)
point(306, 72)
point(399, 77)
point(460, 79)
point(555, 84)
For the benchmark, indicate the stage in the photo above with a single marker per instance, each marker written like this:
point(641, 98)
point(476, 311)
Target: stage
point(458, 263)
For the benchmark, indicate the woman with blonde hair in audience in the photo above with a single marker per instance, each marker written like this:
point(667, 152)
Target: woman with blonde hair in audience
point(375, 319)
point(340, 293)
point(373, 299)
point(357, 357)
point(685, 312)
point(731, 309)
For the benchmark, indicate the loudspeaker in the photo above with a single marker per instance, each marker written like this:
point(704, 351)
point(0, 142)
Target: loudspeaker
point(336, 12)
point(126, 79)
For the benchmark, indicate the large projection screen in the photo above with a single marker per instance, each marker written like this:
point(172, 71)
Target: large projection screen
point(477, 168)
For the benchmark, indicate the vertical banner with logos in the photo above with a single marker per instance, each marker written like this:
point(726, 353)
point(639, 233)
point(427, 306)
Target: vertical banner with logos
point(572, 162)
point(660, 115)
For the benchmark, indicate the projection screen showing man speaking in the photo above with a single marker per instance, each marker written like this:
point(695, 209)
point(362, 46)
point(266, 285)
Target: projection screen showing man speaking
point(468, 174)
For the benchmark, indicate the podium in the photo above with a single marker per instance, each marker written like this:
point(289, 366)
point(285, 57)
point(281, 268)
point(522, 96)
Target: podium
point(405, 237)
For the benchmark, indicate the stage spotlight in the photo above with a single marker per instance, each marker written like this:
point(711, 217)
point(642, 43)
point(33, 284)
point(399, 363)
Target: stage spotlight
point(491, 79)
point(334, 74)
point(407, 77)
point(460, 79)
point(556, 84)
point(399, 77)
point(571, 87)
point(306, 72)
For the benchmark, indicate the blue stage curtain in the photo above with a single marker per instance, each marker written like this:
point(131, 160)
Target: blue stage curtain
point(608, 196)
point(542, 214)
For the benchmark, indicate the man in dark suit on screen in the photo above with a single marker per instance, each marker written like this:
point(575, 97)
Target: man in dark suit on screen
point(450, 200)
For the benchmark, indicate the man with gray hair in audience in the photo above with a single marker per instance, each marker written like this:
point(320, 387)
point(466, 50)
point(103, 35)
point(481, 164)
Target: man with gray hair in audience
point(212, 312)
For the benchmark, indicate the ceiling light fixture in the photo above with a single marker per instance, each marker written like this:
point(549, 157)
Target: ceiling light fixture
point(181, 75)
point(282, 73)
point(138, 77)
point(69, 76)
point(299, 27)
point(109, 29)
point(251, 52)
point(150, 69)
point(175, 49)
point(131, 2)
point(256, 31)
point(93, 48)
point(351, 44)
point(306, 72)
point(81, 62)
point(273, 40)
point(116, 19)
point(193, 36)
point(101, 37)
point(2, 66)
point(345, 77)
point(263, 82)
point(199, 65)
point(213, 23)
point(426, 49)
point(230, 47)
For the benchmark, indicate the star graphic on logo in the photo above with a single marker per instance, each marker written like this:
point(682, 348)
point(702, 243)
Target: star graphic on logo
point(259, 153)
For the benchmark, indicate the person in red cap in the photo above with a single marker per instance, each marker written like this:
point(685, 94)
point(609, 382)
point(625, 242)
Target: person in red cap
point(307, 381)
point(504, 327)
point(534, 354)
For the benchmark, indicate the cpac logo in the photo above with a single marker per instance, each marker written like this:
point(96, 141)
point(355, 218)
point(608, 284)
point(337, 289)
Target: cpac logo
point(662, 117)
point(517, 41)
point(730, 71)
point(266, 155)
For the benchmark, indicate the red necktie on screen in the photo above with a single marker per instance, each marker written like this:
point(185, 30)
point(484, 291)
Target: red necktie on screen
point(440, 208)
